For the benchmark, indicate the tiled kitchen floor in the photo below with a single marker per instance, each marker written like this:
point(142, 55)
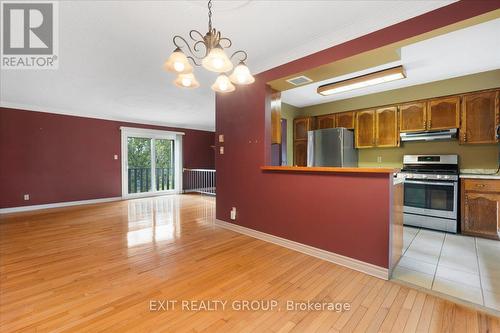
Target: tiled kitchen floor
point(460, 266)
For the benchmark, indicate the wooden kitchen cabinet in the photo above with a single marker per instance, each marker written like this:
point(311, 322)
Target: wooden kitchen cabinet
point(480, 118)
point(377, 128)
point(435, 114)
point(386, 127)
point(345, 119)
point(365, 129)
point(300, 153)
point(413, 117)
point(481, 208)
point(276, 117)
point(326, 121)
point(300, 128)
point(443, 113)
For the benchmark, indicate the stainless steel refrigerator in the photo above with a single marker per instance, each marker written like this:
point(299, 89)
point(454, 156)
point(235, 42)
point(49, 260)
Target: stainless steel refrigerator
point(333, 147)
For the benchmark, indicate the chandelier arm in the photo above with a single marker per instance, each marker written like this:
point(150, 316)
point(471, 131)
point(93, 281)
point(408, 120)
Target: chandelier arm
point(195, 47)
point(196, 38)
point(178, 45)
point(242, 53)
point(227, 40)
point(193, 60)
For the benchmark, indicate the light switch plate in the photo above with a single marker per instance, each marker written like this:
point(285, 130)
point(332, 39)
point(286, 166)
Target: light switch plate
point(26, 197)
point(221, 150)
point(115, 157)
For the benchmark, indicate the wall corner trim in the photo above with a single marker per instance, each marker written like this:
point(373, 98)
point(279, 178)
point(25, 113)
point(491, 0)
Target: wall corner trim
point(57, 205)
point(357, 265)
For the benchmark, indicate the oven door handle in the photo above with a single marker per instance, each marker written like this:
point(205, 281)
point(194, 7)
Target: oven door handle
point(452, 183)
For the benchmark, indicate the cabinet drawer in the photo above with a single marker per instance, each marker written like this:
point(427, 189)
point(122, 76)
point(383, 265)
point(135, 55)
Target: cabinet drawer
point(479, 185)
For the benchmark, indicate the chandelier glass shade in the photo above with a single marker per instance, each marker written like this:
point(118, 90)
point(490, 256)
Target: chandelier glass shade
point(223, 84)
point(241, 75)
point(178, 63)
point(208, 52)
point(186, 81)
point(217, 61)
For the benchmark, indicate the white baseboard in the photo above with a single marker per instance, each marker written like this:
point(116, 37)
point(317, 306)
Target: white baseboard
point(56, 205)
point(361, 266)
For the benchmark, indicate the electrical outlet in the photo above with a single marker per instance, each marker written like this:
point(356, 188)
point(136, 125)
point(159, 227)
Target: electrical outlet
point(221, 150)
point(379, 159)
point(233, 213)
point(221, 138)
point(26, 197)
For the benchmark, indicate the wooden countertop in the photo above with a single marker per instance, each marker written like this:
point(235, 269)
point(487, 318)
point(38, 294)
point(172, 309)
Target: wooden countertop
point(329, 169)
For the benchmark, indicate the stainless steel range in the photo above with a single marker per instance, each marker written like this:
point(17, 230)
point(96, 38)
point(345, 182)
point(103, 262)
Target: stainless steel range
point(431, 191)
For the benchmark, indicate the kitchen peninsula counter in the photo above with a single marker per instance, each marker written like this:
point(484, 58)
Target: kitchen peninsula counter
point(329, 169)
point(352, 212)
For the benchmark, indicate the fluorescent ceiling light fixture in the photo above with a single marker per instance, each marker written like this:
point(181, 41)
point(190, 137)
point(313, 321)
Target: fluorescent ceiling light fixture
point(386, 75)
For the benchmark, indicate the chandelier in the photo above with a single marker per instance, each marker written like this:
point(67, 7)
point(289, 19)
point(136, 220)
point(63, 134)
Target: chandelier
point(208, 51)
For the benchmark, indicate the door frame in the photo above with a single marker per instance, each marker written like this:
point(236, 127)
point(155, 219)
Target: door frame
point(127, 132)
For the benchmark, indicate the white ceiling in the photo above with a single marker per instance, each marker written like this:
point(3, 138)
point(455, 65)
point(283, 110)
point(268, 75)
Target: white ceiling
point(471, 50)
point(111, 52)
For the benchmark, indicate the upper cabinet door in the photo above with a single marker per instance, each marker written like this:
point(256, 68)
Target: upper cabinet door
point(443, 113)
point(326, 121)
point(300, 128)
point(413, 117)
point(386, 127)
point(479, 118)
point(365, 129)
point(345, 119)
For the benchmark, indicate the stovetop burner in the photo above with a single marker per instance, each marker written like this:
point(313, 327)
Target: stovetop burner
point(434, 167)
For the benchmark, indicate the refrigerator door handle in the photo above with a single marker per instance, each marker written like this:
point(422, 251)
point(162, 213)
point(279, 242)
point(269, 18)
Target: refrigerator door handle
point(310, 148)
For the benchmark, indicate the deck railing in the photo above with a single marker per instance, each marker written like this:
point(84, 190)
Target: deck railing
point(199, 181)
point(139, 179)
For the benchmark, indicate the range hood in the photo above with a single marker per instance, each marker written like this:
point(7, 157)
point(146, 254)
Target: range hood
point(430, 135)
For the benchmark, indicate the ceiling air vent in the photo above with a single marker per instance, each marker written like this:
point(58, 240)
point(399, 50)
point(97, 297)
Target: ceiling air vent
point(299, 80)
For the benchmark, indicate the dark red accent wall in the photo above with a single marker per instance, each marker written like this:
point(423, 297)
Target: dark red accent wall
point(346, 214)
point(59, 158)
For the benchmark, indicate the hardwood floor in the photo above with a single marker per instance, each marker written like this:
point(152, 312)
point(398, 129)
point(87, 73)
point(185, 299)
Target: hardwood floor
point(96, 268)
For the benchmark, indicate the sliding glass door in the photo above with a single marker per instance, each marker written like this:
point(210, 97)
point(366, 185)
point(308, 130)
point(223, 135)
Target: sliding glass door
point(150, 162)
point(165, 168)
point(139, 155)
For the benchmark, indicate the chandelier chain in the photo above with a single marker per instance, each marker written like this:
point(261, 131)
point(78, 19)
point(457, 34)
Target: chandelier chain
point(209, 15)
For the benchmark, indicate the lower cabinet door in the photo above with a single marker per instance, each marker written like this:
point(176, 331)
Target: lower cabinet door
point(482, 214)
point(300, 153)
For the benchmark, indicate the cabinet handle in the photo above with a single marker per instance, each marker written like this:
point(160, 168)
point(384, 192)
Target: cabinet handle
point(480, 185)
